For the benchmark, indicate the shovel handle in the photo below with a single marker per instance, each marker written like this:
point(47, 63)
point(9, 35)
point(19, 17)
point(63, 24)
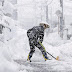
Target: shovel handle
point(57, 58)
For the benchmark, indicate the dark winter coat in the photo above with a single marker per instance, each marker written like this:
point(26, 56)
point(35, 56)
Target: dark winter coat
point(36, 33)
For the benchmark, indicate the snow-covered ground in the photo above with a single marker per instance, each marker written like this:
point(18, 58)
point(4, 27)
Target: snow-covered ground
point(13, 54)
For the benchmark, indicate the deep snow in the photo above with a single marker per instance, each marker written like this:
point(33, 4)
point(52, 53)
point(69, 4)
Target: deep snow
point(18, 49)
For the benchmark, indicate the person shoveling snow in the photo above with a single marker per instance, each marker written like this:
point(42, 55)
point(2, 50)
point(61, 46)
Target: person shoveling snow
point(36, 35)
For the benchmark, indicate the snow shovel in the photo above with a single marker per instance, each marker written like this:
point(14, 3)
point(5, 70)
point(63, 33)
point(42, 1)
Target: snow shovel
point(57, 58)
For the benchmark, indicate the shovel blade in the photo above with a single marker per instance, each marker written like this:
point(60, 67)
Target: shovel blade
point(57, 58)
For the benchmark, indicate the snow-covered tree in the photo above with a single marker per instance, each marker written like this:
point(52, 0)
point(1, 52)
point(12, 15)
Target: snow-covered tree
point(6, 20)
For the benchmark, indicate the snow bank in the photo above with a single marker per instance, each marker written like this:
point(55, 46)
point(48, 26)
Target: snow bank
point(6, 64)
point(66, 51)
point(19, 44)
point(15, 48)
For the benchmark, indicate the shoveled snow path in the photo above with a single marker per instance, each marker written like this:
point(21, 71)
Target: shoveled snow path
point(44, 66)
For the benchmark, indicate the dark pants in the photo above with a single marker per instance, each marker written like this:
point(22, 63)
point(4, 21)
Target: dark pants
point(33, 42)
